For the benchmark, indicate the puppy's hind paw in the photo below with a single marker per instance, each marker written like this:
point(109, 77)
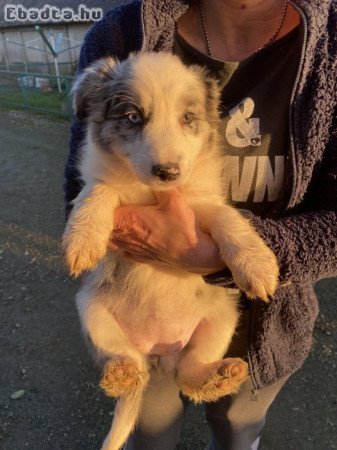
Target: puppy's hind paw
point(120, 378)
point(226, 379)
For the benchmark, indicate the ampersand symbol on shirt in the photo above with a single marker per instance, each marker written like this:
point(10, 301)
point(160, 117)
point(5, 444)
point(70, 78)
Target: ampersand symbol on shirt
point(242, 130)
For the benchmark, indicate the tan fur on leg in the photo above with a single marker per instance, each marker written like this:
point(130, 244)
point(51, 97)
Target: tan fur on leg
point(225, 381)
point(88, 229)
point(121, 378)
point(253, 265)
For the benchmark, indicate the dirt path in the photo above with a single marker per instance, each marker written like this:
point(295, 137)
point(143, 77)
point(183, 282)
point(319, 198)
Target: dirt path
point(42, 351)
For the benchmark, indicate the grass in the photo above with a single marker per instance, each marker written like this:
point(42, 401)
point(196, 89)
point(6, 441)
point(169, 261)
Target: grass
point(30, 98)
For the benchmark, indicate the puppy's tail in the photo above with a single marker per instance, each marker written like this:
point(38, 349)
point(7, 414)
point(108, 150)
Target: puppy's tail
point(126, 413)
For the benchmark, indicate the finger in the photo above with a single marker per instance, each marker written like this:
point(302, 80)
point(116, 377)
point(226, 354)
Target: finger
point(128, 255)
point(129, 245)
point(147, 260)
point(134, 249)
point(134, 240)
point(130, 235)
point(132, 257)
point(123, 246)
point(122, 233)
point(113, 245)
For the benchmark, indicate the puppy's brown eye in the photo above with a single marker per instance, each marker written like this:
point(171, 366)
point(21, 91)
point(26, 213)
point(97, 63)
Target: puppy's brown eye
point(135, 118)
point(188, 117)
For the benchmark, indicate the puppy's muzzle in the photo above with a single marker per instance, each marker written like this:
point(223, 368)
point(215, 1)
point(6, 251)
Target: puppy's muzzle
point(166, 172)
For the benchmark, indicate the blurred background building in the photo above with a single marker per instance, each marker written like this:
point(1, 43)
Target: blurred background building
point(38, 56)
point(18, 37)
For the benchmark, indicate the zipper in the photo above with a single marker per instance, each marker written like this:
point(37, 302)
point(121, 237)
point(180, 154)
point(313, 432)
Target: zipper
point(255, 395)
point(291, 107)
point(144, 43)
point(255, 391)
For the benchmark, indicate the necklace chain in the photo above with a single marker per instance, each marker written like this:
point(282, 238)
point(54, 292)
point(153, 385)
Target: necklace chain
point(272, 39)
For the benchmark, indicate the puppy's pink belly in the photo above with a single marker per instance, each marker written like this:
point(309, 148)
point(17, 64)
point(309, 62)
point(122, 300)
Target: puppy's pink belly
point(158, 337)
point(163, 349)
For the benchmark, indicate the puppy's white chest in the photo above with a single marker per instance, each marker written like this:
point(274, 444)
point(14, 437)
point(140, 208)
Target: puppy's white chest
point(136, 194)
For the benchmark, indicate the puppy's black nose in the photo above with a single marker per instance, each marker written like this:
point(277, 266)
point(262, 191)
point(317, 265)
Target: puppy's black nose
point(166, 172)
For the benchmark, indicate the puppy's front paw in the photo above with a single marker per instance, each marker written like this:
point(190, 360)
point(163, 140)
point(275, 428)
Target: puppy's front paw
point(257, 272)
point(82, 252)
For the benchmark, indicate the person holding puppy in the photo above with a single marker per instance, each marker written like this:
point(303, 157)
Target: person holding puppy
point(276, 62)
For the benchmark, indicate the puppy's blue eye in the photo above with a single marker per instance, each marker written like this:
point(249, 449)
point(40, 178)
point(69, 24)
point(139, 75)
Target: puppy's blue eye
point(188, 117)
point(135, 118)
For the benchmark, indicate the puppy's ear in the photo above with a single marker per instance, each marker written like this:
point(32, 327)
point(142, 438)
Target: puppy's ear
point(89, 87)
point(212, 93)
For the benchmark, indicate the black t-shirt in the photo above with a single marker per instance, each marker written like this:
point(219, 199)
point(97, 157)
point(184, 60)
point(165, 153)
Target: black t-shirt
point(255, 102)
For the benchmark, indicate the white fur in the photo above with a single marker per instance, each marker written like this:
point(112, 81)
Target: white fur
point(117, 291)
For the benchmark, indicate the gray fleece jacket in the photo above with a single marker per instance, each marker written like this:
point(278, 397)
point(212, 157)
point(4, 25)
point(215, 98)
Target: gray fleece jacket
point(303, 232)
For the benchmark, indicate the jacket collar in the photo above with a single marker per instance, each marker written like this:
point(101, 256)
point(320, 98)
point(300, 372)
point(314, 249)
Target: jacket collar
point(159, 17)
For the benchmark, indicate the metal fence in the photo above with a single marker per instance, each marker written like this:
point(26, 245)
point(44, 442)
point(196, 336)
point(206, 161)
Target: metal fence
point(36, 91)
point(65, 68)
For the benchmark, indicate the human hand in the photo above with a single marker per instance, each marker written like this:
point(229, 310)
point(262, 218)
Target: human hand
point(165, 234)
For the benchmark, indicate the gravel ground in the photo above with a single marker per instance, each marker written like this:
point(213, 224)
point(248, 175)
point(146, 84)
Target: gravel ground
point(42, 351)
